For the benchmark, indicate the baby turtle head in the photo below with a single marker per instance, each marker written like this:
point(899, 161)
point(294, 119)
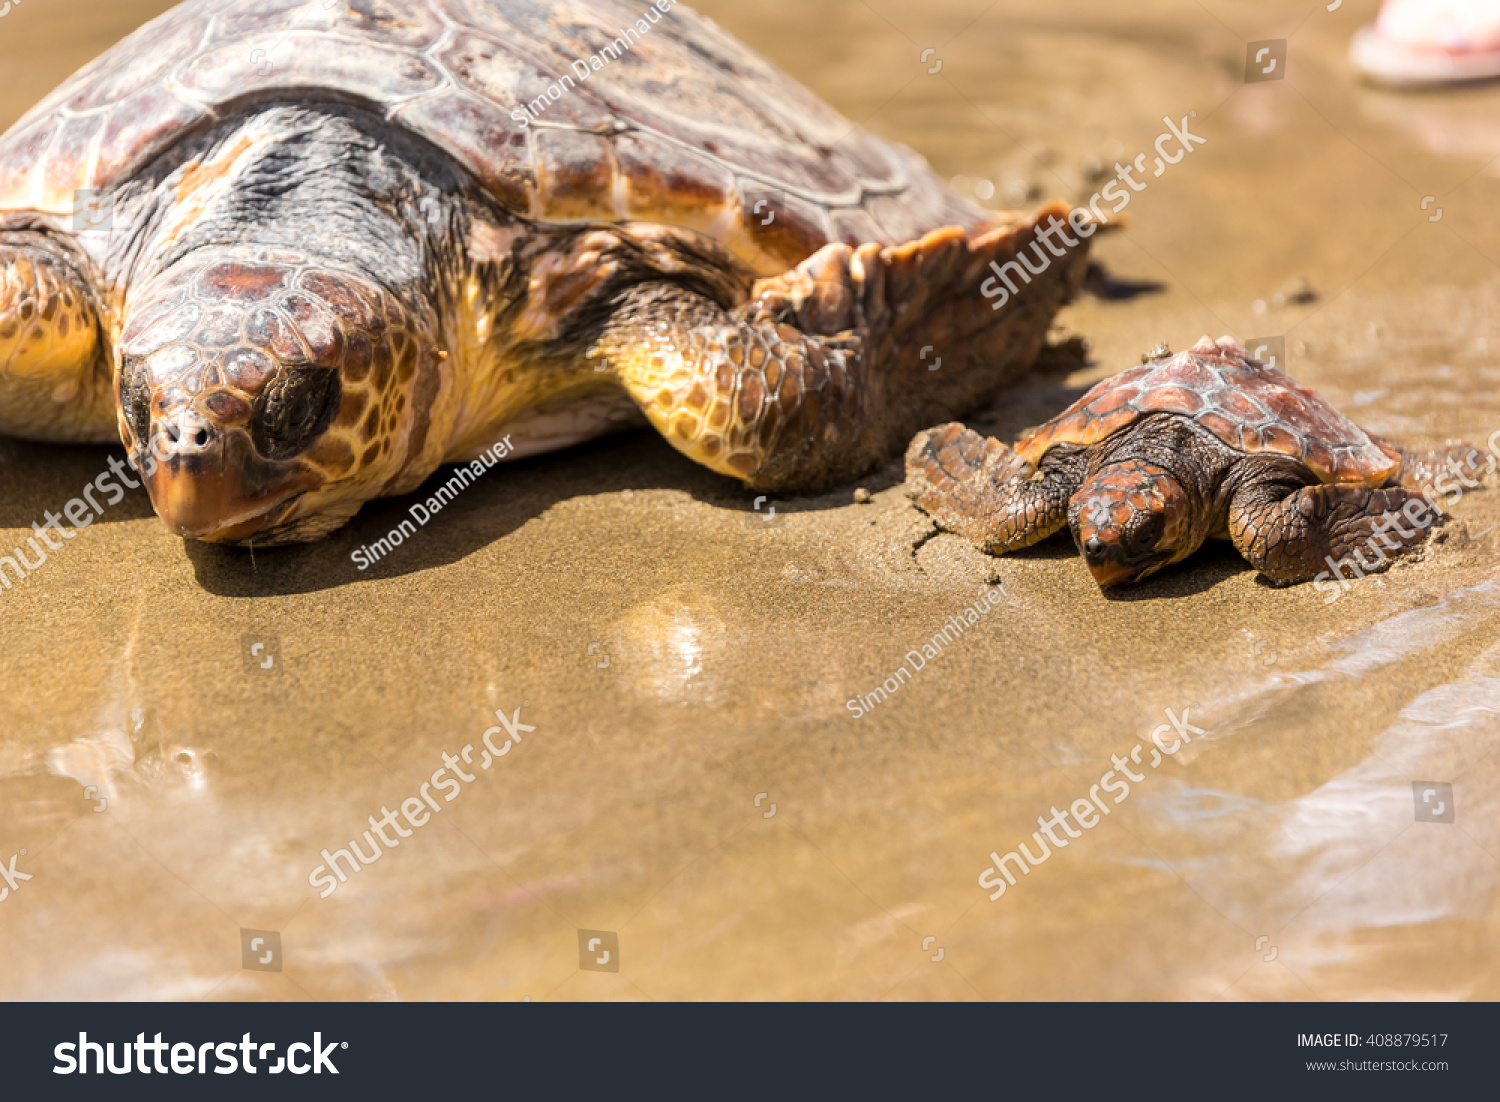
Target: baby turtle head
point(265, 396)
point(1130, 520)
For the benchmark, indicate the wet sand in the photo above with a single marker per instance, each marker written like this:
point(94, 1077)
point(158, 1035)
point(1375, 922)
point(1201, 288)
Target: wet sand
point(695, 783)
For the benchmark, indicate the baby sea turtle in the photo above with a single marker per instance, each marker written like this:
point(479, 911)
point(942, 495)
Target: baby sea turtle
point(296, 255)
point(1206, 443)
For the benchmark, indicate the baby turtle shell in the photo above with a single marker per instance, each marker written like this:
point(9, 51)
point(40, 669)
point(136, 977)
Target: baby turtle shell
point(1250, 407)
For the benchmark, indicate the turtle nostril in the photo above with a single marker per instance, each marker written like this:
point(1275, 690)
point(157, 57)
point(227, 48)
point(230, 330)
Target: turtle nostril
point(183, 433)
point(1093, 548)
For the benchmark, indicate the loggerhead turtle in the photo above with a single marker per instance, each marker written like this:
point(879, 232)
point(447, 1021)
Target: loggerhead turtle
point(296, 255)
point(1207, 443)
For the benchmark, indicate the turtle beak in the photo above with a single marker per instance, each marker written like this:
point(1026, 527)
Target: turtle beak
point(1113, 573)
point(206, 482)
point(1109, 566)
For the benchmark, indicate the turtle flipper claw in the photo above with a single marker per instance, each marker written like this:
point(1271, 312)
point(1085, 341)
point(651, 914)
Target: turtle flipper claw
point(981, 490)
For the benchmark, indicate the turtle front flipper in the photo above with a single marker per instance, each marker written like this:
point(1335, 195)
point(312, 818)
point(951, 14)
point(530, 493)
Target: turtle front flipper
point(1328, 528)
point(831, 367)
point(981, 490)
point(54, 377)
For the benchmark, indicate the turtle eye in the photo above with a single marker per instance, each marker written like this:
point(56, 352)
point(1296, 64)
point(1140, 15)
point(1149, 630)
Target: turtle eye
point(1143, 540)
point(294, 409)
point(135, 398)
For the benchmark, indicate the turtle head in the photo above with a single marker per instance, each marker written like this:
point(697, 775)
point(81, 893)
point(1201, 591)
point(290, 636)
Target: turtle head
point(264, 395)
point(1130, 520)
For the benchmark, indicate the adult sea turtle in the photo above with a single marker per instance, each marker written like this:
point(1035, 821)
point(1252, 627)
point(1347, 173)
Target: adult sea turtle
point(296, 255)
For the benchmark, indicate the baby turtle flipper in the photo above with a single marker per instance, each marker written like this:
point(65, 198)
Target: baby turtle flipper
point(1442, 469)
point(981, 490)
point(832, 366)
point(1335, 529)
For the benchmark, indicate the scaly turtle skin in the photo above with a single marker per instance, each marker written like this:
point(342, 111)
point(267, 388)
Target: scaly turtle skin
point(298, 254)
point(1207, 443)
